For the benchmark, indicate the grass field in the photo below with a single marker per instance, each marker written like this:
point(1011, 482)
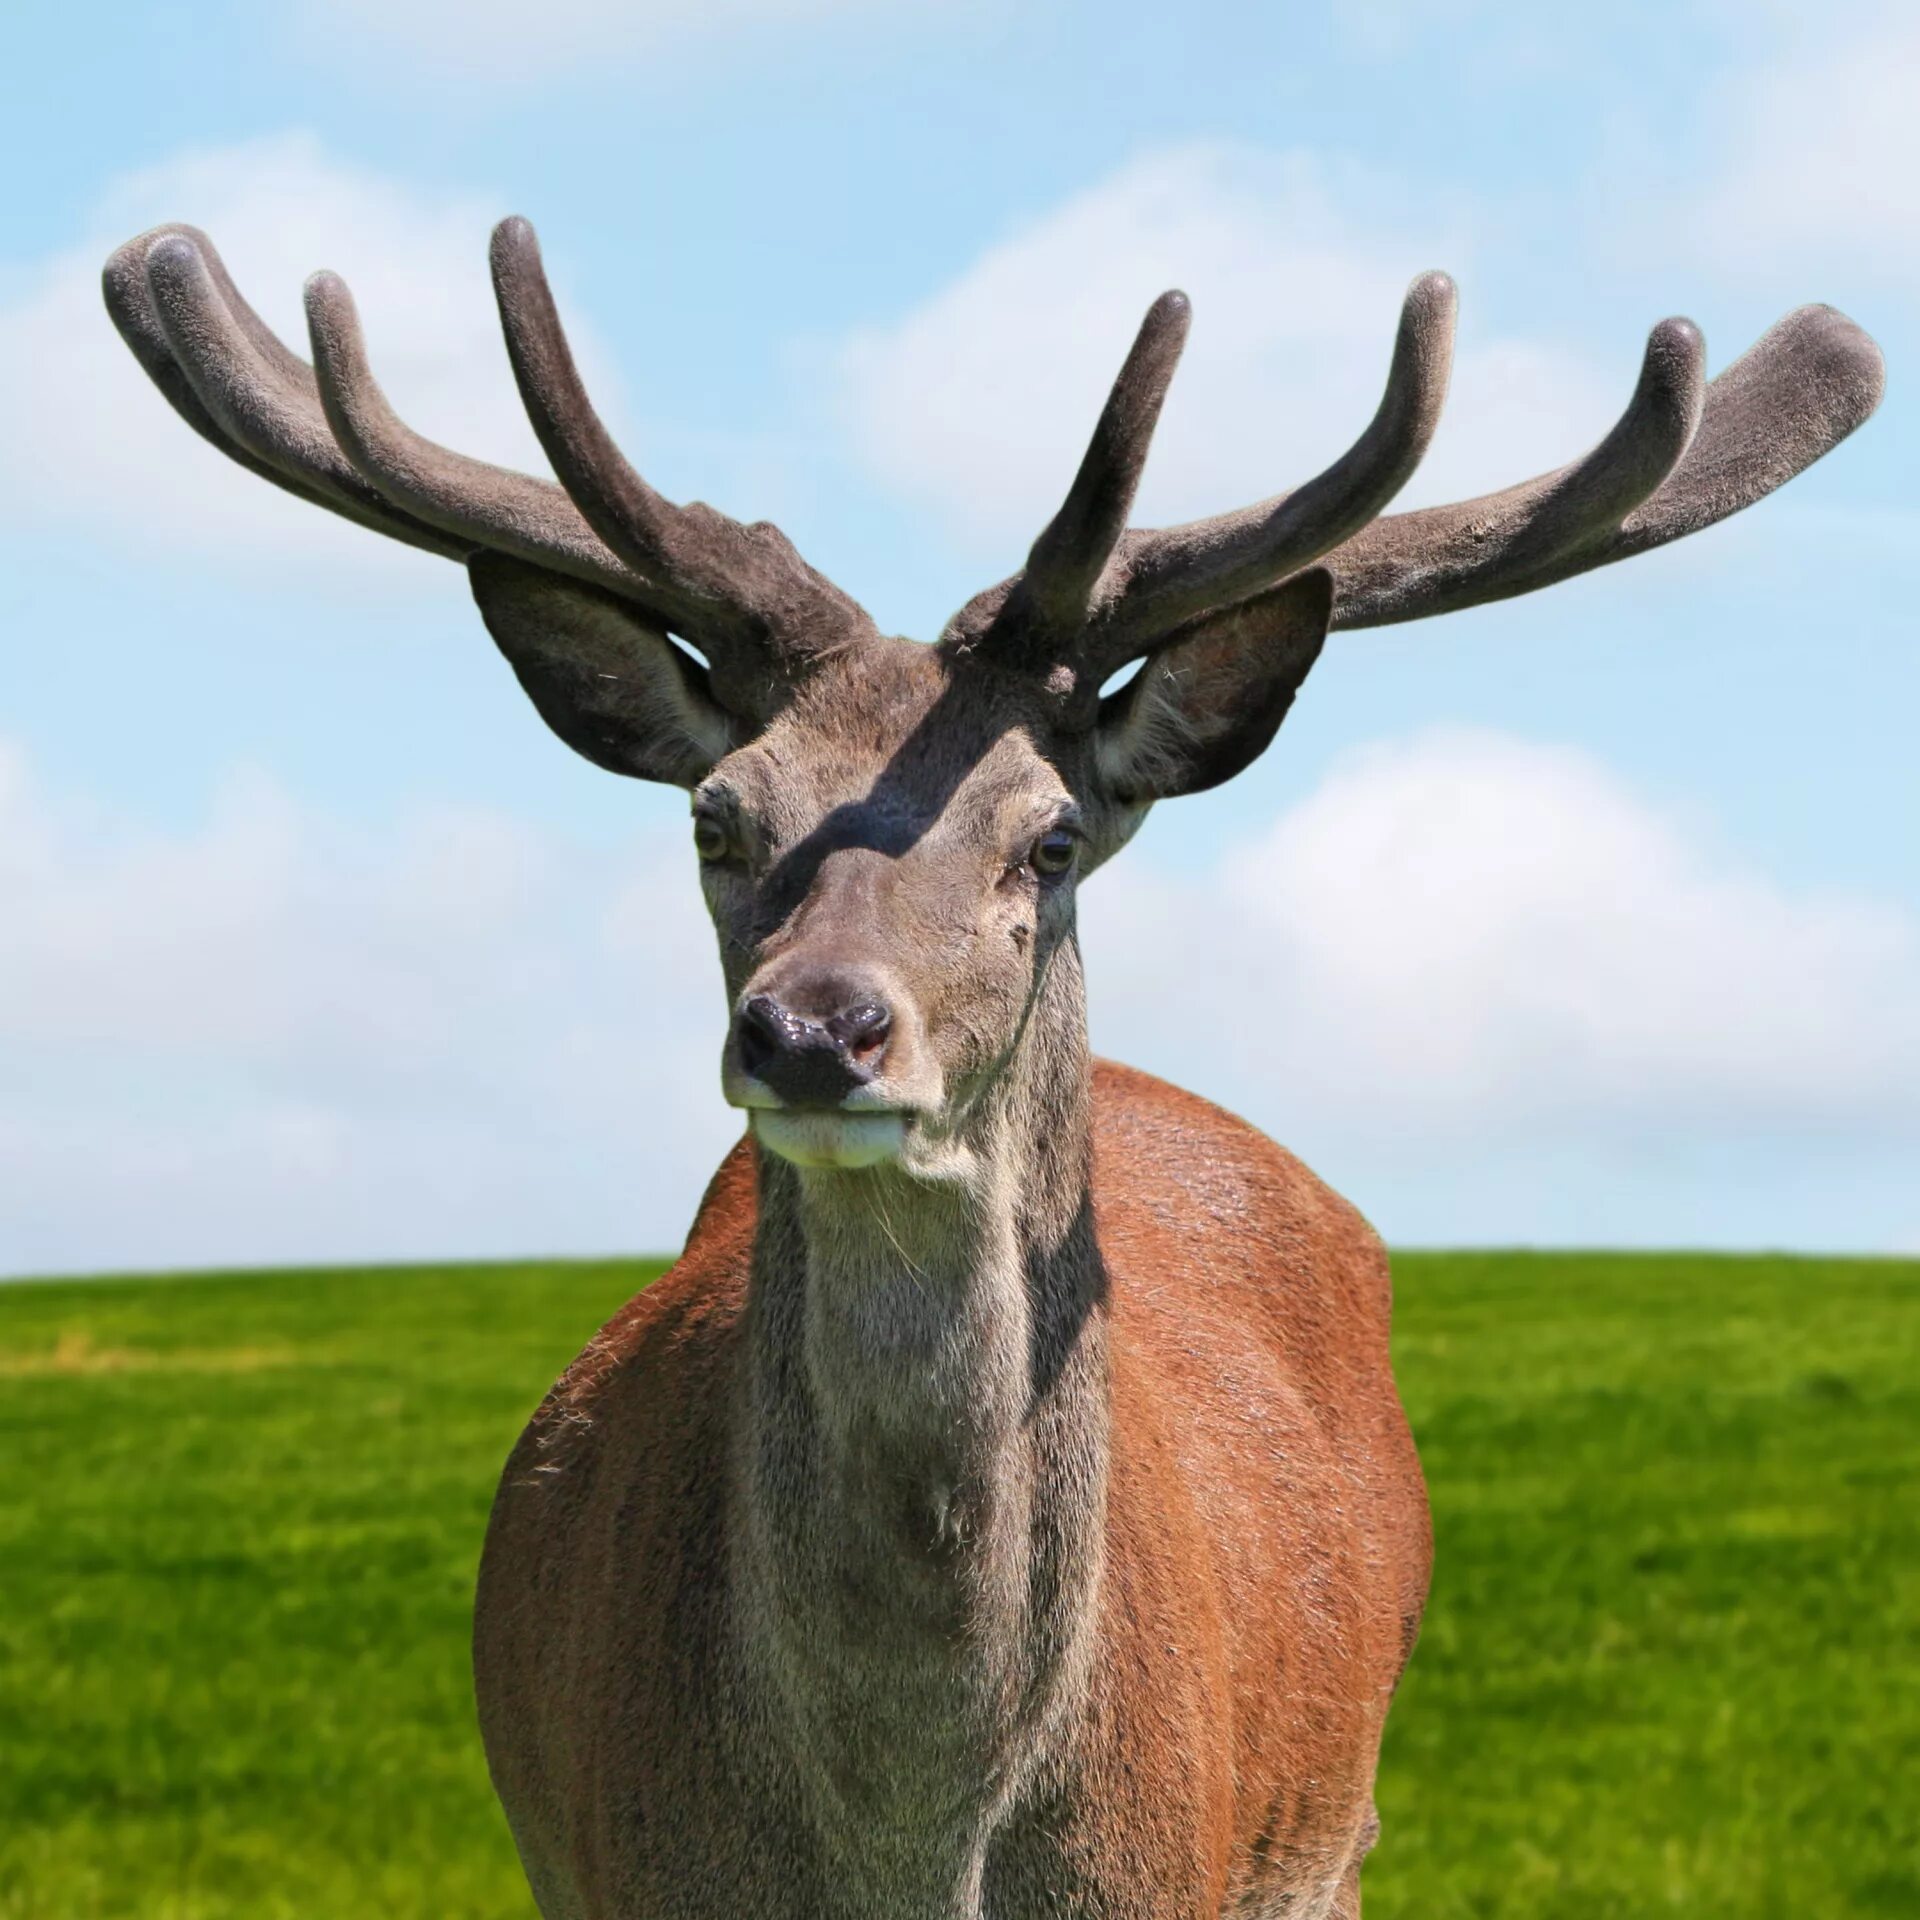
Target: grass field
point(1672, 1663)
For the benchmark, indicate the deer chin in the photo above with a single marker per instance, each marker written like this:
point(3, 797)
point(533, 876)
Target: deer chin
point(825, 1138)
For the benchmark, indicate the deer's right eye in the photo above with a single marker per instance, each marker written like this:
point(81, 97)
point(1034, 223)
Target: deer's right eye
point(710, 839)
point(1053, 853)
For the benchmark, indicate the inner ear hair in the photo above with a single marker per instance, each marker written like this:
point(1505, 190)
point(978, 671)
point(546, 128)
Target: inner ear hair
point(604, 677)
point(1208, 702)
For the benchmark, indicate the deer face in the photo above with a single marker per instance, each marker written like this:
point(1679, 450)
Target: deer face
point(890, 867)
point(891, 857)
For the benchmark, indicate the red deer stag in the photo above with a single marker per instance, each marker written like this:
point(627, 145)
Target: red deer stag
point(1004, 1508)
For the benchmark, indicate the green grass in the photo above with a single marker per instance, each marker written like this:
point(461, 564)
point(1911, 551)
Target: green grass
point(1672, 1663)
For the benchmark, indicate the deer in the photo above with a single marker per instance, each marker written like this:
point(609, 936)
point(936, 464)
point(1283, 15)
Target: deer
point(1004, 1509)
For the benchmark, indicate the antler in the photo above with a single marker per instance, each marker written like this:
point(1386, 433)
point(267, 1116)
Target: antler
point(1105, 596)
point(327, 434)
point(1094, 594)
point(249, 397)
point(1683, 455)
point(1679, 460)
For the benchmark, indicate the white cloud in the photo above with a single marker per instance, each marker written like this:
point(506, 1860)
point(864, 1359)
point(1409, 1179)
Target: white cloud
point(274, 1037)
point(503, 39)
point(980, 401)
point(1816, 147)
point(90, 444)
point(1463, 939)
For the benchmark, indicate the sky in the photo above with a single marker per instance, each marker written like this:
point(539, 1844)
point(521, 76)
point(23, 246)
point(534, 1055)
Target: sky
point(1590, 918)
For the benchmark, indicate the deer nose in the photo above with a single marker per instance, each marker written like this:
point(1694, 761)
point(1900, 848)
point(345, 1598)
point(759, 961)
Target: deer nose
point(809, 1059)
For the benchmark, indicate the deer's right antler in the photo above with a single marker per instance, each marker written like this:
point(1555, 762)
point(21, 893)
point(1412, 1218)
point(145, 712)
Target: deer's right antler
point(326, 433)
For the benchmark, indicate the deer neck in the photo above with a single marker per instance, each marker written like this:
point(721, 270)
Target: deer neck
point(924, 1466)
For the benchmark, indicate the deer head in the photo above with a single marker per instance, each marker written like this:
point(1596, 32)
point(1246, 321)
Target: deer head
point(890, 834)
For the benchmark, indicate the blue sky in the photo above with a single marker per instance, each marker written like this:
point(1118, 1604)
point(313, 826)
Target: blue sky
point(1595, 916)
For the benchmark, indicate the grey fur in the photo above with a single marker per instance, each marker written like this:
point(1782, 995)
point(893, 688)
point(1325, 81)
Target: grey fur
point(924, 1485)
point(926, 1452)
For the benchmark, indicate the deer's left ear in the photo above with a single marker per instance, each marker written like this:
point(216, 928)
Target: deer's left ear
point(1210, 700)
point(604, 677)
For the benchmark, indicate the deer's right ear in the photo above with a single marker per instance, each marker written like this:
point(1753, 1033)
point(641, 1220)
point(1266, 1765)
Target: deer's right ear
point(605, 678)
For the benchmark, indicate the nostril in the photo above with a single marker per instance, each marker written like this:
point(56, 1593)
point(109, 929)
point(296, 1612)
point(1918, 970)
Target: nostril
point(760, 1030)
point(862, 1029)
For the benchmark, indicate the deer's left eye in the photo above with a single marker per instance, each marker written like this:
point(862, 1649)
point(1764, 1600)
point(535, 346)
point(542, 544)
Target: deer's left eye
point(1053, 853)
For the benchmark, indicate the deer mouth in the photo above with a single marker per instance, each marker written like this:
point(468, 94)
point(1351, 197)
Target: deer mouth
point(831, 1137)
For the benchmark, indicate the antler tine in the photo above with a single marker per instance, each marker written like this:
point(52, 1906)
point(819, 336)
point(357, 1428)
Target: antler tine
point(481, 505)
point(742, 594)
point(1410, 564)
point(1183, 571)
point(256, 392)
point(130, 304)
point(1064, 569)
point(1794, 395)
point(1797, 393)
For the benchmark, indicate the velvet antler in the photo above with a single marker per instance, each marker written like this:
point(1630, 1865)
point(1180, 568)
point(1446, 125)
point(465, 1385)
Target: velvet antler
point(1094, 594)
point(1683, 455)
point(327, 434)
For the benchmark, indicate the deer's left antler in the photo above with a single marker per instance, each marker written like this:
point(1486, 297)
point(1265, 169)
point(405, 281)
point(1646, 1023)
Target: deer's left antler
point(1684, 454)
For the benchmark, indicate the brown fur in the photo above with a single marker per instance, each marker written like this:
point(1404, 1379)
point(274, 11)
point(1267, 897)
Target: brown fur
point(1266, 1553)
